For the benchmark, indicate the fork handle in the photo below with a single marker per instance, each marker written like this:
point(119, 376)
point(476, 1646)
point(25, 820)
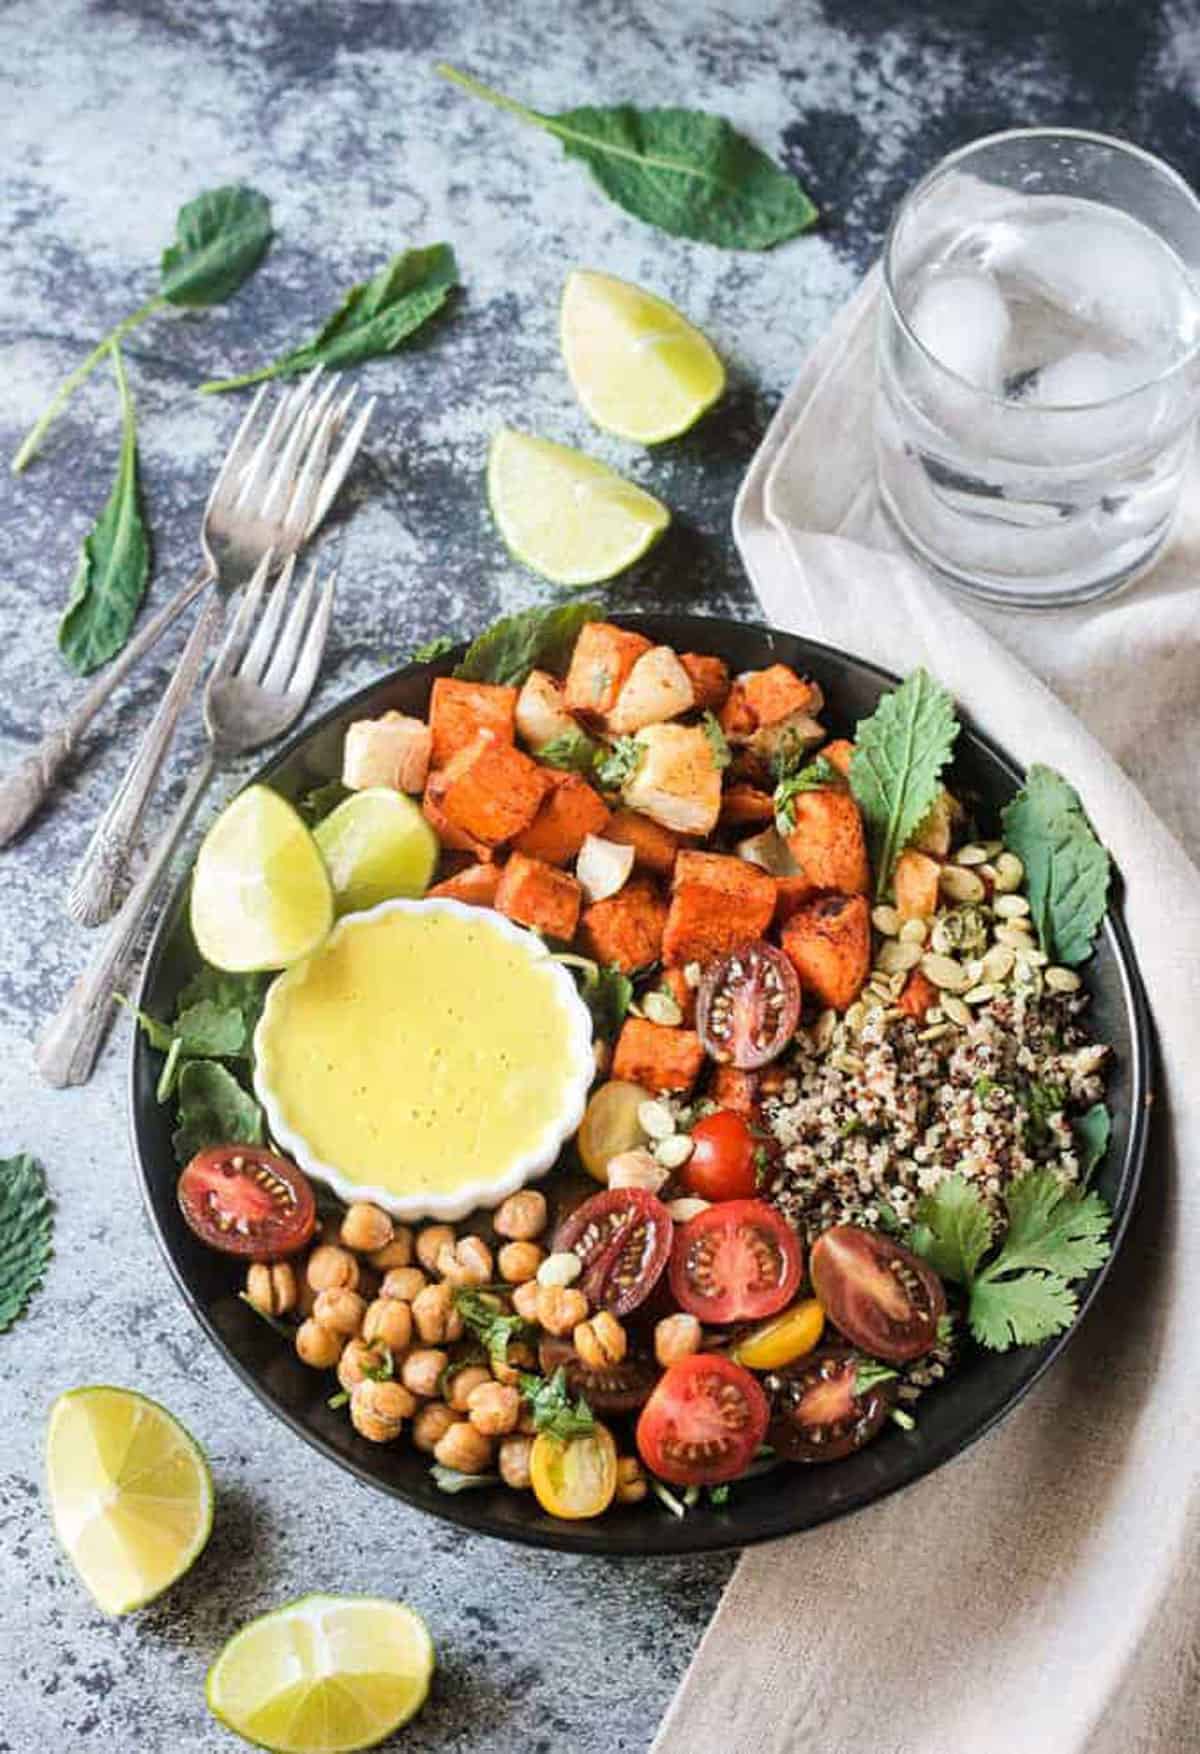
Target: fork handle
point(67, 1051)
point(94, 889)
point(25, 789)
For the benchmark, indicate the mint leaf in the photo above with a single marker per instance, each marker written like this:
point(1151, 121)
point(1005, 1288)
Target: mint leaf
point(114, 564)
point(437, 647)
point(316, 805)
point(26, 1224)
point(953, 1229)
point(1067, 870)
point(685, 171)
point(245, 993)
point(213, 1110)
point(717, 741)
point(896, 767)
point(607, 994)
point(536, 639)
point(1092, 1133)
point(573, 751)
point(1021, 1311)
point(552, 1408)
point(220, 238)
point(810, 778)
point(1051, 1230)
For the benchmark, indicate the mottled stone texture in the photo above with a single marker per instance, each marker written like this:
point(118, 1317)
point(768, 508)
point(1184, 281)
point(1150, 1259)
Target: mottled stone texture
point(111, 115)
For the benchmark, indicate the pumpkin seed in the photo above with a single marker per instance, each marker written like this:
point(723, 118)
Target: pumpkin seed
point(914, 932)
point(1013, 936)
point(981, 994)
point(1062, 980)
point(955, 1010)
point(656, 1120)
point(936, 1033)
point(1010, 873)
point(855, 1017)
point(673, 1152)
point(662, 1008)
point(896, 957)
point(1032, 958)
point(944, 972)
point(960, 884)
point(997, 963)
point(822, 1030)
point(1011, 907)
point(935, 1014)
point(886, 920)
point(972, 855)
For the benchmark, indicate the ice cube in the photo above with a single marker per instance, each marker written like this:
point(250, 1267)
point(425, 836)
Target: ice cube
point(963, 321)
point(1080, 379)
point(1105, 272)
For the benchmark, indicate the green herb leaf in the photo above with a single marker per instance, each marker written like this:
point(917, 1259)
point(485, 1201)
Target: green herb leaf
point(450, 1480)
point(374, 318)
point(489, 1323)
point(903, 1419)
point(869, 1373)
point(552, 1408)
point(718, 1495)
point(607, 994)
point(1051, 1230)
point(115, 561)
point(245, 993)
point(574, 751)
point(316, 805)
point(895, 771)
point(220, 238)
point(168, 1078)
point(685, 171)
point(809, 778)
point(620, 764)
point(1021, 1311)
point(1067, 870)
point(1092, 1133)
point(717, 741)
point(953, 1229)
point(536, 639)
point(437, 647)
point(26, 1224)
point(213, 1110)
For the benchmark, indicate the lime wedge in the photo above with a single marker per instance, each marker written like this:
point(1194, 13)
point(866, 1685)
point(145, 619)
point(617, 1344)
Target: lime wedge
point(637, 365)
point(377, 845)
point(130, 1494)
point(261, 896)
point(570, 518)
point(324, 1675)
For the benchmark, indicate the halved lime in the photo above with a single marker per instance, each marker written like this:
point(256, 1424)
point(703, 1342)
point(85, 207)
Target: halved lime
point(324, 1675)
point(377, 846)
point(130, 1494)
point(638, 366)
point(569, 517)
point(261, 895)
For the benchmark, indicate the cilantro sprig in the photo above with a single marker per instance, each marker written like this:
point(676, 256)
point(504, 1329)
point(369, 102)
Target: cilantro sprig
point(489, 1322)
point(792, 782)
point(717, 741)
point(620, 764)
point(552, 1408)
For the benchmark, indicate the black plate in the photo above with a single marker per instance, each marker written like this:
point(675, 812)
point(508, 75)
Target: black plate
point(983, 1391)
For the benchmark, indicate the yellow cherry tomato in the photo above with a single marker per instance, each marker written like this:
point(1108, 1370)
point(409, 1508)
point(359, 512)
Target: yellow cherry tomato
point(577, 1478)
point(783, 1339)
point(610, 1125)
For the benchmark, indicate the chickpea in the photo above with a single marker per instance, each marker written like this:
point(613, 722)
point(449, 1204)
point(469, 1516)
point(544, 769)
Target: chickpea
point(519, 1357)
point(632, 1485)
point(676, 1337)
point(560, 1308)
point(469, 1262)
point(514, 1462)
point(391, 1322)
point(435, 1315)
point(461, 1384)
point(343, 1311)
point(519, 1262)
point(318, 1347)
point(463, 1448)
point(430, 1243)
point(272, 1288)
point(396, 1253)
point(403, 1283)
point(430, 1425)
point(331, 1268)
point(366, 1228)
point(359, 1361)
point(524, 1300)
point(422, 1370)
point(494, 1409)
point(378, 1409)
point(600, 1341)
point(522, 1216)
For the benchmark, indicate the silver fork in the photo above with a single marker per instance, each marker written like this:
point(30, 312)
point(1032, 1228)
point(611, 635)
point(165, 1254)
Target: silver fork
point(259, 684)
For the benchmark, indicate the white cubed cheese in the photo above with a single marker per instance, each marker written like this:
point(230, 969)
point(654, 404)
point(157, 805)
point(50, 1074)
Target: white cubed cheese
point(657, 688)
point(795, 735)
point(770, 852)
point(541, 716)
point(392, 751)
point(676, 782)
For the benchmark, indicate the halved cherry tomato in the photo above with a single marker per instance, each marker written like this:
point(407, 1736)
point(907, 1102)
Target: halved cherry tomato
point(819, 1415)
point(246, 1201)
point(576, 1478)
point(721, 1166)
point(783, 1339)
point(703, 1422)
point(613, 1388)
point(610, 1125)
point(737, 1262)
point(880, 1295)
point(748, 1006)
point(623, 1238)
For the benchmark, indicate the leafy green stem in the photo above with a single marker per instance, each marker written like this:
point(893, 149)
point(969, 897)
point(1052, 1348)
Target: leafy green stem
point(79, 376)
point(218, 386)
point(477, 89)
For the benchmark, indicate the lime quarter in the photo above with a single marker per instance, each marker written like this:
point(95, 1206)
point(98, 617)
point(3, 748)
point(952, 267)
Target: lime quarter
point(324, 1675)
point(261, 895)
point(377, 846)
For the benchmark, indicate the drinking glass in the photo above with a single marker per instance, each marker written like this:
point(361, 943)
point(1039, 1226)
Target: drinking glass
point(1039, 364)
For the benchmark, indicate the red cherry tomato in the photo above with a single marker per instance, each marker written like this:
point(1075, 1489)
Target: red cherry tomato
point(748, 1006)
point(623, 1237)
point(246, 1201)
point(737, 1262)
point(880, 1295)
point(820, 1415)
point(703, 1422)
point(721, 1166)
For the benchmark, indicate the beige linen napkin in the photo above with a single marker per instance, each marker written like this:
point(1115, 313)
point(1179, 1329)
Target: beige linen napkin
point(1040, 1594)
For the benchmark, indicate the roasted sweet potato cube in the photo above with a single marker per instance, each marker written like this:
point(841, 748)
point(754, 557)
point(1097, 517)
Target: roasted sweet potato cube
point(453, 839)
point(656, 1056)
point(540, 896)
point(838, 754)
point(458, 711)
point(710, 680)
point(918, 995)
point(490, 789)
point(915, 882)
point(827, 841)
point(777, 693)
point(744, 803)
point(603, 657)
point(737, 716)
point(474, 884)
point(736, 1090)
point(626, 929)
point(791, 893)
point(717, 903)
point(829, 942)
point(569, 812)
point(654, 847)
